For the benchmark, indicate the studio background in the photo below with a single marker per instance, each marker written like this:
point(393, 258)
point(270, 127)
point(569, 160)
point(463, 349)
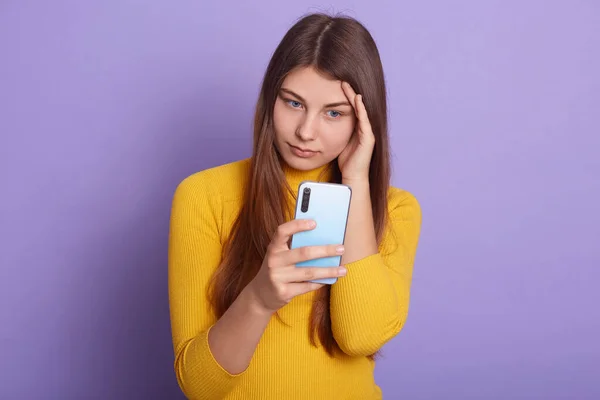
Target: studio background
point(494, 105)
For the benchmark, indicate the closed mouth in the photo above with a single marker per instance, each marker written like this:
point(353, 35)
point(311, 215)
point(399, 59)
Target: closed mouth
point(305, 150)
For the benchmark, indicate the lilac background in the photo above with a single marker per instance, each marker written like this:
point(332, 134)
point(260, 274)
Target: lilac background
point(105, 106)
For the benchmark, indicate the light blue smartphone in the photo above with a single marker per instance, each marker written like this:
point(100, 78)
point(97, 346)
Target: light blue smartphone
point(328, 204)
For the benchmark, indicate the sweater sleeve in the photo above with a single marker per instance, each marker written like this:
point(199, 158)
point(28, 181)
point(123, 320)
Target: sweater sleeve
point(370, 305)
point(194, 254)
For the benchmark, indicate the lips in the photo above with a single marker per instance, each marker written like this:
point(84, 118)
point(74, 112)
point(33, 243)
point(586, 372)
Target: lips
point(302, 153)
point(304, 150)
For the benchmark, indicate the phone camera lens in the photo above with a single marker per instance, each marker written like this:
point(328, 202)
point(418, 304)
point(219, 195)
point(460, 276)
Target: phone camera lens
point(305, 199)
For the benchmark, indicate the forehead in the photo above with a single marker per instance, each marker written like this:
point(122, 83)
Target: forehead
point(314, 86)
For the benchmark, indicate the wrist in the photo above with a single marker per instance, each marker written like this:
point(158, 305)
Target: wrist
point(356, 181)
point(253, 302)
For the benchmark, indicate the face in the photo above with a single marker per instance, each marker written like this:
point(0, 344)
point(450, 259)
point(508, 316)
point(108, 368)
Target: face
point(313, 119)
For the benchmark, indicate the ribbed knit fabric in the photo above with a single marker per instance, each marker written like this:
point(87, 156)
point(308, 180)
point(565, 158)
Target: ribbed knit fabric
point(368, 306)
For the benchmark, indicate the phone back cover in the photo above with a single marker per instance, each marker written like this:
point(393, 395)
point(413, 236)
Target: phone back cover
point(329, 206)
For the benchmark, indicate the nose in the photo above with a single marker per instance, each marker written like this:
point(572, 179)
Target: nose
point(307, 130)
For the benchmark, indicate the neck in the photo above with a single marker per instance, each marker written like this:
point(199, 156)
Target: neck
point(295, 176)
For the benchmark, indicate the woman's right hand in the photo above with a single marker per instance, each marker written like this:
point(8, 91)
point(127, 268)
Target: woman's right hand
point(279, 280)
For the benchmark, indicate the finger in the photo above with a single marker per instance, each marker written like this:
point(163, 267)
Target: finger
point(360, 110)
point(363, 118)
point(296, 289)
point(286, 230)
point(303, 274)
point(350, 95)
point(294, 256)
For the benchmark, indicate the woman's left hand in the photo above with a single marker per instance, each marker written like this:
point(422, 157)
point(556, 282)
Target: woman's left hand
point(355, 159)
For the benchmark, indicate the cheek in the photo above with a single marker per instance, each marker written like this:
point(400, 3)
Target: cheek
point(337, 137)
point(283, 121)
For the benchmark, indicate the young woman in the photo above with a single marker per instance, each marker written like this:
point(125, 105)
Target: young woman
point(246, 322)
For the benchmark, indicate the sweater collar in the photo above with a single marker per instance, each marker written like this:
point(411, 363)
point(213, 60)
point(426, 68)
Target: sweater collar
point(295, 176)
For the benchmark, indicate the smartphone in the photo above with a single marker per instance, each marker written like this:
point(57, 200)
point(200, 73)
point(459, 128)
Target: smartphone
point(328, 204)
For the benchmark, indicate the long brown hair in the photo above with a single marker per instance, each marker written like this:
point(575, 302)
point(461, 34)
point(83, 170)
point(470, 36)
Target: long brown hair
point(342, 48)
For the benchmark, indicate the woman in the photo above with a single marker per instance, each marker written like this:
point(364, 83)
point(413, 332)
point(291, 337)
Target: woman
point(246, 322)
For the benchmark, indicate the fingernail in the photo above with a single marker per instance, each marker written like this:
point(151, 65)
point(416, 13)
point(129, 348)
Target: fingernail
point(312, 224)
point(339, 249)
point(343, 271)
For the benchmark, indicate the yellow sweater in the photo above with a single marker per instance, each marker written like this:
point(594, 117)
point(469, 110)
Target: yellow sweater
point(368, 306)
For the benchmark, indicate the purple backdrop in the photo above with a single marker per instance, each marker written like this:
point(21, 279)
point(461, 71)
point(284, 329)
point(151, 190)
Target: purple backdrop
point(106, 106)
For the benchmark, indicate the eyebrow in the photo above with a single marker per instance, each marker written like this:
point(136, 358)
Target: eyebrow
point(340, 103)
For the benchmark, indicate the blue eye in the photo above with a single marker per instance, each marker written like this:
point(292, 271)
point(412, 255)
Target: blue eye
point(333, 114)
point(294, 103)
